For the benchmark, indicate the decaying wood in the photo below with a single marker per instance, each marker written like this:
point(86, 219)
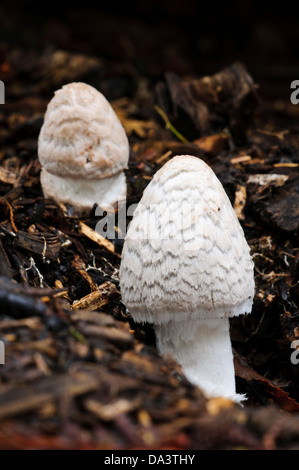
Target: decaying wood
point(45, 245)
point(96, 299)
point(96, 237)
point(18, 401)
point(226, 99)
point(280, 206)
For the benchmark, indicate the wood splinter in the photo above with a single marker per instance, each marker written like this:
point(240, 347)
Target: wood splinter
point(96, 299)
point(96, 237)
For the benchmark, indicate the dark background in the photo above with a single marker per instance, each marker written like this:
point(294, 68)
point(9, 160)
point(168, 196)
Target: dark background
point(149, 37)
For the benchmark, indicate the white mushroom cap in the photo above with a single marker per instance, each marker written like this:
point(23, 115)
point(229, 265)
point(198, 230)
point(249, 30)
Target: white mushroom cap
point(185, 254)
point(81, 139)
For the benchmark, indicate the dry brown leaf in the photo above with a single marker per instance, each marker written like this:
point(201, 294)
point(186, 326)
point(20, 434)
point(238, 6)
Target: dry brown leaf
point(212, 144)
point(279, 396)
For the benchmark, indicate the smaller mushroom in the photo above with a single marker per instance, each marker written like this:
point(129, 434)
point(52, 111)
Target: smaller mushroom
point(186, 268)
point(83, 149)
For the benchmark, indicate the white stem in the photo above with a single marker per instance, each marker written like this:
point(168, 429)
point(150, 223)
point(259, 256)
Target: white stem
point(83, 193)
point(203, 349)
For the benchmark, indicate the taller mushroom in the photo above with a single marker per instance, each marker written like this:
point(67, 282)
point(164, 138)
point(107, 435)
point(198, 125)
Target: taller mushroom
point(186, 268)
point(83, 149)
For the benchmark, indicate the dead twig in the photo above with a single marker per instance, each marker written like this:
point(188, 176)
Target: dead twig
point(96, 237)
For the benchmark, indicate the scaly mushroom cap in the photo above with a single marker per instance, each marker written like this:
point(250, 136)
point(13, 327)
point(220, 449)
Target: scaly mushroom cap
point(81, 136)
point(185, 254)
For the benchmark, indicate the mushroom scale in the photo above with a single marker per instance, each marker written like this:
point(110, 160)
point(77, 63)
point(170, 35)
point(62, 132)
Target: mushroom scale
point(83, 149)
point(186, 267)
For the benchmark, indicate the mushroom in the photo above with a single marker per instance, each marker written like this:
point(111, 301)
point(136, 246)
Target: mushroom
point(186, 267)
point(83, 149)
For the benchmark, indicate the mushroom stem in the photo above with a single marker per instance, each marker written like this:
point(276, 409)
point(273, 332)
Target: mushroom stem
point(203, 349)
point(81, 191)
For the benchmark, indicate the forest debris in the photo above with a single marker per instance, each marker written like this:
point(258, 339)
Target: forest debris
point(148, 154)
point(278, 204)
point(96, 299)
point(32, 266)
point(108, 333)
point(46, 346)
point(124, 111)
point(38, 440)
point(168, 429)
point(15, 287)
point(164, 147)
point(279, 396)
point(77, 335)
point(286, 165)
point(216, 405)
point(11, 405)
point(240, 159)
point(187, 116)
point(96, 237)
point(46, 245)
point(19, 301)
point(59, 66)
point(197, 106)
point(31, 397)
point(5, 203)
point(212, 144)
point(263, 179)
point(5, 265)
point(111, 410)
point(138, 361)
point(230, 96)
point(93, 317)
point(32, 323)
point(42, 365)
point(279, 135)
point(80, 266)
point(8, 176)
point(169, 125)
point(240, 201)
point(163, 157)
point(137, 126)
